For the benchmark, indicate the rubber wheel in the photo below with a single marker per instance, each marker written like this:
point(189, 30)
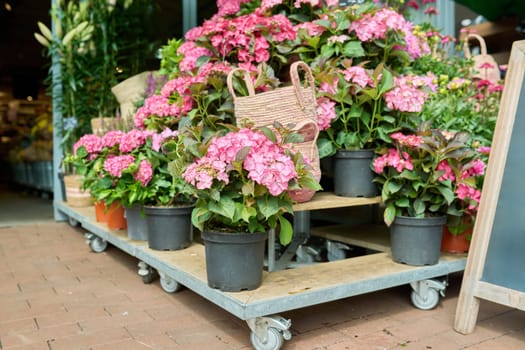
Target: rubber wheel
point(337, 254)
point(147, 279)
point(169, 285)
point(274, 340)
point(72, 222)
point(98, 245)
point(432, 299)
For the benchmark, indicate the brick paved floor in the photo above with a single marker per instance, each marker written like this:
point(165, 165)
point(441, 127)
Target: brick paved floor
point(56, 294)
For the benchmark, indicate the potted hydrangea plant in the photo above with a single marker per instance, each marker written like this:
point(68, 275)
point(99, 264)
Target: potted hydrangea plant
point(242, 183)
point(418, 180)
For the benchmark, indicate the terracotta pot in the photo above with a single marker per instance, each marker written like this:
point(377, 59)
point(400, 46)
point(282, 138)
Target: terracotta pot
point(100, 211)
point(456, 243)
point(115, 218)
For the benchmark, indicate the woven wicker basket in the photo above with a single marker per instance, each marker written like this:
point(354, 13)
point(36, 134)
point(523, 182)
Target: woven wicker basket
point(293, 106)
point(492, 74)
point(75, 196)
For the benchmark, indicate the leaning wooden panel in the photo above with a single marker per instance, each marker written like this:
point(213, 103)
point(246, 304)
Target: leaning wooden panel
point(500, 200)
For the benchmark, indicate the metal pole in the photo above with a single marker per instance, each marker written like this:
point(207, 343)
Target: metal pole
point(189, 15)
point(57, 117)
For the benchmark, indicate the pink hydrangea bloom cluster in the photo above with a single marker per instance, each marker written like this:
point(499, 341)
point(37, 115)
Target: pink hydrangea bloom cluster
point(155, 105)
point(229, 7)
point(144, 172)
point(448, 173)
point(470, 195)
point(394, 159)
point(407, 140)
point(92, 143)
point(115, 165)
point(246, 37)
point(474, 168)
point(266, 163)
point(407, 94)
point(325, 112)
point(112, 138)
point(330, 88)
point(312, 29)
point(132, 140)
point(161, 105)
point(268, 4)
point(192, 52)
point(359, 76)
point(377, 25)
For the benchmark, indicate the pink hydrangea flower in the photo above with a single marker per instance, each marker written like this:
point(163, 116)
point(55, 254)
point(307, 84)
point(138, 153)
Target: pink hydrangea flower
point(448, 174)
point(132, 140)
point(144, 172)
point(112, 138)
point(484, 150)
point(329, 88)
point(475, 168)
point(268, 4)
point(406, 96)
point(408, 140)
point(311, 28)
point(325, 112)
point(469, 194)
point(359, 76)
point(191, 53)
point(157, 139)
point(265, 162)
point(117, 164)
point(394, 159)
point(91, 142)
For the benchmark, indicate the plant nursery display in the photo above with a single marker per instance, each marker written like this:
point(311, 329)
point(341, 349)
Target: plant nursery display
point(235, 123)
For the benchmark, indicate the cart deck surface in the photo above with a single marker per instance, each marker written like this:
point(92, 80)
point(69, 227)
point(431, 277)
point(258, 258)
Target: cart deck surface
point(281, 290)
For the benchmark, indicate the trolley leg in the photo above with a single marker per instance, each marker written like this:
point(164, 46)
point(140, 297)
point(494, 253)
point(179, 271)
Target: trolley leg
point(97, 244)
point(269, 332)
point(146, 272)
point(168, 284)
point(425, 294)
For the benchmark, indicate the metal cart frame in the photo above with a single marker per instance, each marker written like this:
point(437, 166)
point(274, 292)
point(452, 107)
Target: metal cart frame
point(282, 289)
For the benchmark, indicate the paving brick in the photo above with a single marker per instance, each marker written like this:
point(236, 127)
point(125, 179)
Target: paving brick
point(37, 336)
point(77, 299)
point(120, 319)
point(35, 346)
point(65, 317)
point(17, 326)
point(128, 344)
point(90, 340)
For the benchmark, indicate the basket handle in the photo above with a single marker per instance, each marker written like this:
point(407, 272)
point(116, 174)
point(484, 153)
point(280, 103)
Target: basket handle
point(296, 81)
point(246, 78)
point(482, 45)
point(313, 141)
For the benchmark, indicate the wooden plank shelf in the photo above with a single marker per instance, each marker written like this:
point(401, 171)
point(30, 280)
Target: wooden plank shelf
point(328, 200)
point(372, 236)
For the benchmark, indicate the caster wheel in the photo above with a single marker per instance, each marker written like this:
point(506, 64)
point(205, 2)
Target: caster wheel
point(146, 272)
point(98, 245)
point(336, 254)
point(147, 279)
point(274, 340)
point(426, 302)
point(72, 222)
point(169, 285)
